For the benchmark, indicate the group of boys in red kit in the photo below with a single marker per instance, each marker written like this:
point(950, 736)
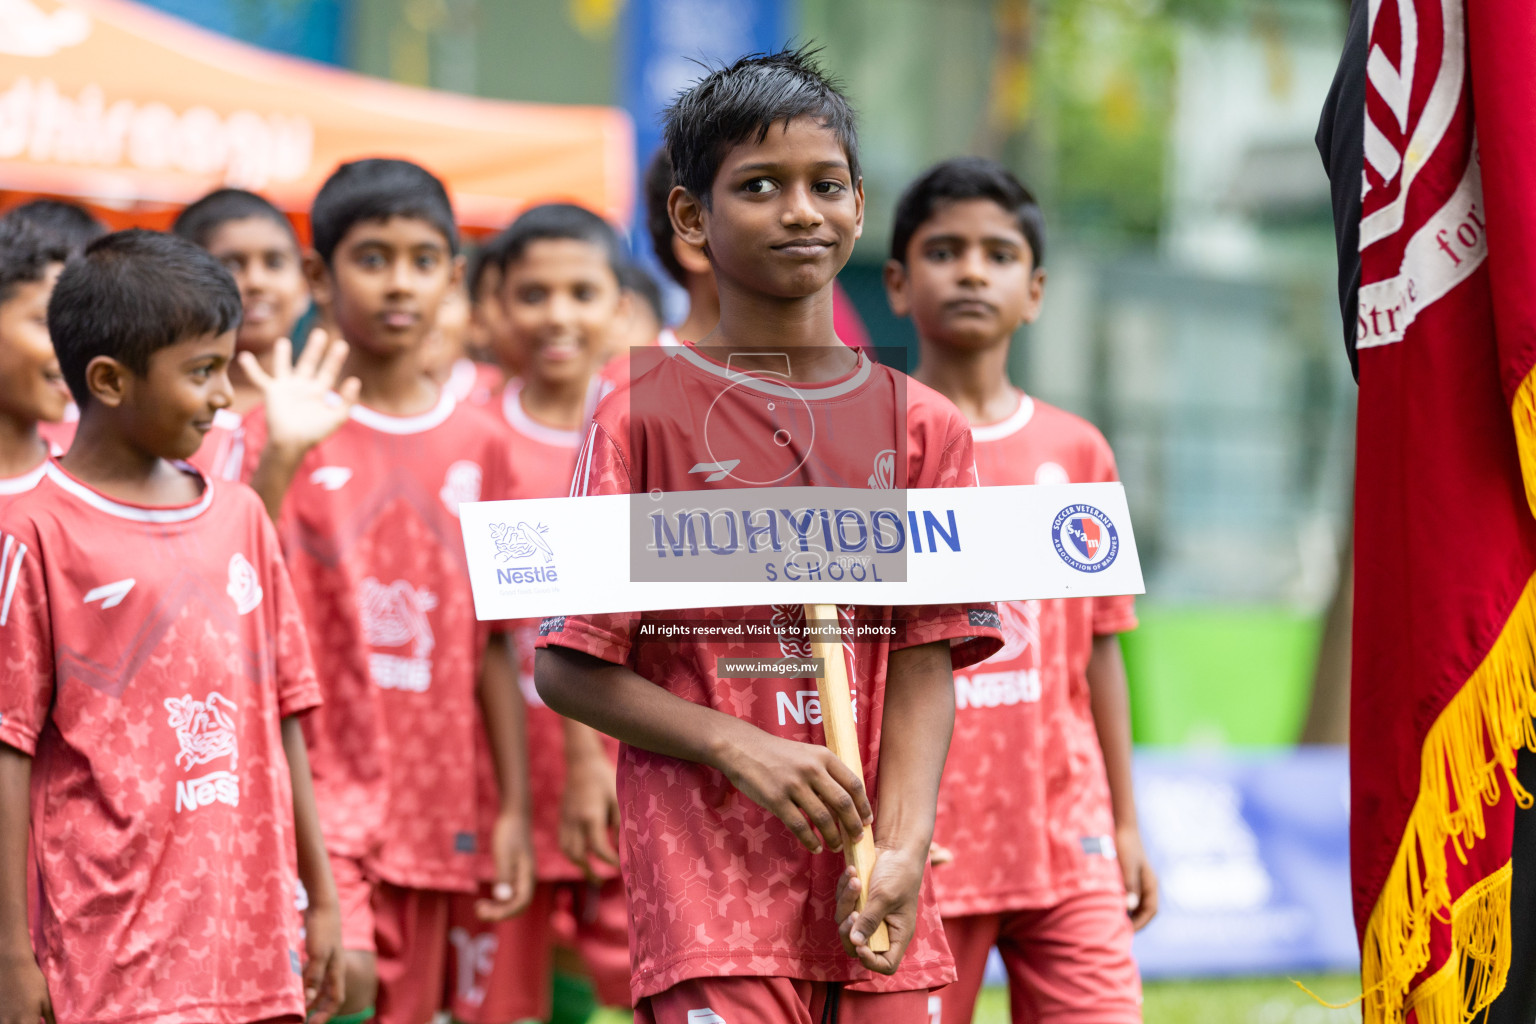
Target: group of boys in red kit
point(258, 759)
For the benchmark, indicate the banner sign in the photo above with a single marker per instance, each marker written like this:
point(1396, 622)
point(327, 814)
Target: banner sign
point(734, 547)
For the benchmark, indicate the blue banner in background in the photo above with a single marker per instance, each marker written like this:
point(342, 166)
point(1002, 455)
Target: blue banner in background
point(1252, 856)
point(664, 42)
point(1252, 851)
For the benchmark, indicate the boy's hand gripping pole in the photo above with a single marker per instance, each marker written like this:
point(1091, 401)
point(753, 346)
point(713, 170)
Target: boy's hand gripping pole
point(843, 740)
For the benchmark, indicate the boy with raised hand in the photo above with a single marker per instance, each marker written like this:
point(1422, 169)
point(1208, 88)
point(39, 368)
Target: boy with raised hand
point(1037, 816)
point(734, 815)
point(561, 300)
point(156, 661)
point(258, 247)
point(32, 389)
point(369, 523)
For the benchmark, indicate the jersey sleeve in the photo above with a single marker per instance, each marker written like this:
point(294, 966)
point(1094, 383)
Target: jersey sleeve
point(974, 631)
point(26, 639)
point(298, 687)
point(1116, 613)
point(601, 468)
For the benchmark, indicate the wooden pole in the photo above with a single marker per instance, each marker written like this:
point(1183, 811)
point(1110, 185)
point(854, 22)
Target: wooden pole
point(842, 737)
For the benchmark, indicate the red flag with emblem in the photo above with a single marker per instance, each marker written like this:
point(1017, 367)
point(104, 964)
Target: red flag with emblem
point(1445, 539)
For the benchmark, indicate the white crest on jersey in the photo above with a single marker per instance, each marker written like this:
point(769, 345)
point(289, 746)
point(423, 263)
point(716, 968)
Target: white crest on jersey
point(1021, 630)
point(332, 478)
point(244, 585)
point(393, 616)
point(204, 729)
point(884, 476)
point(461, 484)
point(1051, 473)
point(396, 614)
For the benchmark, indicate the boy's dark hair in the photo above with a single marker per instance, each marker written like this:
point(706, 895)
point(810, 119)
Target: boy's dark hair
point(553, 221)
point(967, 177)
point(658, 186)
point(491, 254)
point(741, 101)
point(132, 293)
point(198, 222)
point(25, 255)
point(378, 189)
point(635, 278)
point(60, 223)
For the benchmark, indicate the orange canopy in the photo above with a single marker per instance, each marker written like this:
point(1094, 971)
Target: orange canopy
point(125, 107)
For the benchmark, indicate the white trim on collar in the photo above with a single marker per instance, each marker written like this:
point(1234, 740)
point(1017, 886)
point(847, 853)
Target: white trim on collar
point(137, 513)
point(1015, 422)
point(227, 419)
point(388, 424)
point(25, 482)
point(512, 409)
point(805, 392)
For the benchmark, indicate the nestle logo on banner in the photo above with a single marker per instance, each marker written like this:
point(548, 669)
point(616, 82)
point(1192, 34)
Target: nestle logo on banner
point(528, 548)
point(1085, 538)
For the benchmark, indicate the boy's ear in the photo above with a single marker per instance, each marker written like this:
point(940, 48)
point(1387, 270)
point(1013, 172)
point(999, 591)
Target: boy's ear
point(319, 277)
point(858, 205)
point(690, 258)
point(896, 288)
point(457, 279)
point(1036, 296)
point(107, 380)
point(687, 214)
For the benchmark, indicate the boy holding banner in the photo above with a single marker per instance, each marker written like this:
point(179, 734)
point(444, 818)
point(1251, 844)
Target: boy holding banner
point(734, 815)
point(1041, 853)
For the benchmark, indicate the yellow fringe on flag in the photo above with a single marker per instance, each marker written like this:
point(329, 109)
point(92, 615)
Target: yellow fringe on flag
point(1523, 409)
point(1471, 744)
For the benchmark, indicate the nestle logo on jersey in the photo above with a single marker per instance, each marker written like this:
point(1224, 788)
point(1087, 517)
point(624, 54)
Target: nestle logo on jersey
point(527, 546)
point(804, 707)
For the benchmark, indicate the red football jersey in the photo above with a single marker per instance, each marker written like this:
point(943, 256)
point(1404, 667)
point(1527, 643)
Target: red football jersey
point(370, 529)
point(221, 456)
point(544, 458)
point(718, 886)
point(11, 486)
point(150, 654)
point(1024, 805)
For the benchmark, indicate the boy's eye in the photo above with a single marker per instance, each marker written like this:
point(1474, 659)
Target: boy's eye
point(427, 261)
point(201, 373)
point(277, 261)
point(828, 188)
point(757, 186)
point(531, 296)
point(371, 261)
point(1004, 256)
point(584, 293)
point(942, 254)
point(232, 263)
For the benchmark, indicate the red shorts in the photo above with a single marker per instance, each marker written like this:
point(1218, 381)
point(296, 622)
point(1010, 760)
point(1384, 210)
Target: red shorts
point(779, 1001)
point(1067, 963)
point(410, 929)
point(354, 892)
point(500, 972)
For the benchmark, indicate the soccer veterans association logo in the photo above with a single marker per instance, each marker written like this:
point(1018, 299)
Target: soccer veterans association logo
point(1085, 538)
